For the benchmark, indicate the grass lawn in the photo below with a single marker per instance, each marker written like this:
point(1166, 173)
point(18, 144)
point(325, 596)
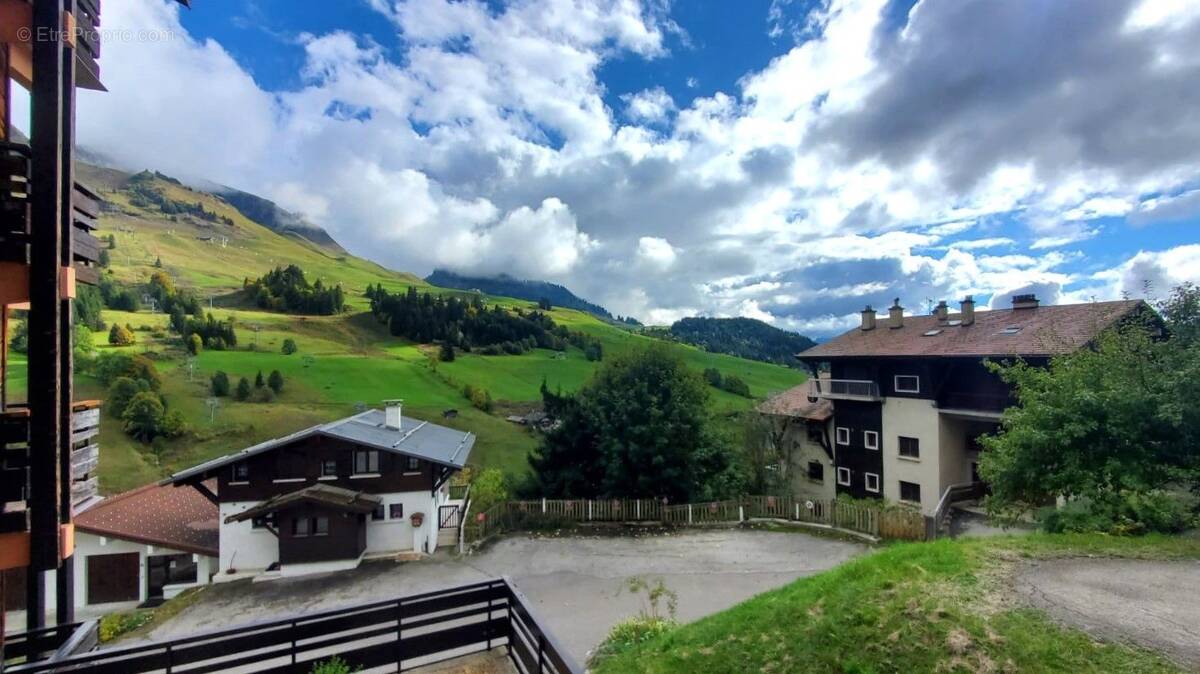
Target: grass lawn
point(920, 607)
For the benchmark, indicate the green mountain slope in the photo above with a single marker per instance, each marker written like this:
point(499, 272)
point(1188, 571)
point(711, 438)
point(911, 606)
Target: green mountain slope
point(742, 337)
point(343, 361)
point(522, 289)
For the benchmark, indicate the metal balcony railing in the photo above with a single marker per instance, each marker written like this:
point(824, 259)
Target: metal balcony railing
point(845, 389)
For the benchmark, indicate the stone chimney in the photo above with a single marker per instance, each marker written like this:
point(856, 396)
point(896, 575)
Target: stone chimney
point(942, 311)
point(1029, 301)
point(868, 318)
point(968, 310)
point(896, 315)
point(391, 414)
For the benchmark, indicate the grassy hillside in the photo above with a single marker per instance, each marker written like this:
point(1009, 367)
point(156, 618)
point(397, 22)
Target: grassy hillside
point(343, 361)
point(923, 607)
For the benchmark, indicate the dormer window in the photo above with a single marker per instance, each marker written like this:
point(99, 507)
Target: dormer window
point(907, 383)
point(240, 473)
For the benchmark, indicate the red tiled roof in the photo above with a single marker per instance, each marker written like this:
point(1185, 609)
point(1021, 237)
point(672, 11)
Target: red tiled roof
point(174, 517)
point(1040, 331)
point(794, 402)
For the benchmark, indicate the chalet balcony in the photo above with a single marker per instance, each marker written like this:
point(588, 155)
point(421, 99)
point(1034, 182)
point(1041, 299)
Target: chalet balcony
point(844, 389)
point(14, 461)
point(974, 405)
point(15, 222)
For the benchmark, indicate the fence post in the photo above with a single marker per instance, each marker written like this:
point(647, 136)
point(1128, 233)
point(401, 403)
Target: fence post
point(637, 509)
point(293, 631)
point(400, 634)
point(689, 513)
point(741, 513)
point(541, 650)
point(797, 510)
point(543, 505)
point(171, 658)
point(589, 510)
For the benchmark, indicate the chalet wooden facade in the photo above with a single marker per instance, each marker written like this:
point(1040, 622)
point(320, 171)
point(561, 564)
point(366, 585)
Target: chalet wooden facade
point(911, 395)
point(376, 483)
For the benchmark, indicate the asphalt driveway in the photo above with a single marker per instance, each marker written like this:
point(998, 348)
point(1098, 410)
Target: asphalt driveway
point(575, 582)
point(1151, 604)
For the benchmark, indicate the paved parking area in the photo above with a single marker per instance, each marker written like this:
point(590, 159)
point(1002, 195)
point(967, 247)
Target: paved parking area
point(575, 582)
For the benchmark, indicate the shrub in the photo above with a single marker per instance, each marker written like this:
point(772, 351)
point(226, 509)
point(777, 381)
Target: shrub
point(446, 353)
point(648, 624)
point(173, 424)
point(736, 385)
point(19, 341)
point(122, 390)
point(479, 397)
point(195, 344)
point(121, 336)
point(143, 416)
point(109, 366)
point(488, 489)
point(275, 381)
point(713, 376)
point(1124, 513)
point(243, 389)
point(289, 346)
point(114, 625)
point(334, 665)
point(220, 384)
point(259, 380)
point(593, 351)
point(262, 395)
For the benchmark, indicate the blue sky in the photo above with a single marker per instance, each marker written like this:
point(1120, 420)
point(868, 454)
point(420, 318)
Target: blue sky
point(780, 159)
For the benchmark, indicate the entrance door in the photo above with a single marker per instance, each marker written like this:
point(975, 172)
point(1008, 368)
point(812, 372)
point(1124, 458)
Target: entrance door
point(112, 578)
point(158, 567)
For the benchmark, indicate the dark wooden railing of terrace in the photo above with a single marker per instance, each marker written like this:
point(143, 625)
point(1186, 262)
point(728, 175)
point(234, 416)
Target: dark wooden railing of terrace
point(403, 633)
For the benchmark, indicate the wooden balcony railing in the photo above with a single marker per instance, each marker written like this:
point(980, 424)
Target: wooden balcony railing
point(15, 221)
point(14, 461)
point(397, 633)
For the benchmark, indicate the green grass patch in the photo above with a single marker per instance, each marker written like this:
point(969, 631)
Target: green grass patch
point(139, 622)
point(920, 607)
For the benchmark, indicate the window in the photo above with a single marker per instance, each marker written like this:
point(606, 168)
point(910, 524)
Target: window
point(366, 461)
point(910, 447)
point(844, 476)
point(413, 464)
point(814, 433)
point(320, 526)
point(816, 471)
point(377, 514)
point(872, 482)
point(843, 435)
point(396, 511)
point(907, 383)
point(910, 491)
point(329, 468)
point(241, 472)
point(300, 527)
point(871, 439)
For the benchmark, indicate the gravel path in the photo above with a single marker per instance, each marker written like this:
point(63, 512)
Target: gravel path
point(1151, 604)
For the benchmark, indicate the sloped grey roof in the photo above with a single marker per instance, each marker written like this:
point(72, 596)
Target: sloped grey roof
point(416, 438)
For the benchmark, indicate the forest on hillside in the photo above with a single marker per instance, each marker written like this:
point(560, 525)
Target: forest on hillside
point(742, 337)
point(508, 286)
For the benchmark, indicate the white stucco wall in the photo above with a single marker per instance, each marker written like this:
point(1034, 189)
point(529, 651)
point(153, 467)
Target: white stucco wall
point(87, 544)
point(243, 547)
point(801, 451)
point(912, 418)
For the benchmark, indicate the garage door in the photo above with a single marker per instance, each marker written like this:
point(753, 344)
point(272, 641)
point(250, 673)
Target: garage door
point(112, 578)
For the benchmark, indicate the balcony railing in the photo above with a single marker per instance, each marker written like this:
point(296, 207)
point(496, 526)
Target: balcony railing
point(397, 633)
point(14, 461)
point(15, 232)
point(981, 402)
point(845, 389)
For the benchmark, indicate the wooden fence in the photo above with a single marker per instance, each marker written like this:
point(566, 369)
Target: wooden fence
point(401, 634)
point(891, 523)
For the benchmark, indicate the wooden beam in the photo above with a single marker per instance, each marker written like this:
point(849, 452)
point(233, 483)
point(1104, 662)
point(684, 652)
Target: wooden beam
point(45, 321)
point(206, 492)
point(65, 577)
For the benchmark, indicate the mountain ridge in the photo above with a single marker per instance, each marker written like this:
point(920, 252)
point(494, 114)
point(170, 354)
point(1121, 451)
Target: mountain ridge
point(522, 289)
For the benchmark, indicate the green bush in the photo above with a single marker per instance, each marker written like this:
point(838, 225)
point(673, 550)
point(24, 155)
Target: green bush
point(736, 385)
point(275, 381)
point(243, 389)
point(195, 344)
point(1125, 513)
point(488, 489)
point(120, 335)
point(262, 395)
point(220, 384)
point(334, 665)
point(114, 625)
point(122, 390)
point(648, 624)
point(143, 416)
point(289, 346)
point(109, 366)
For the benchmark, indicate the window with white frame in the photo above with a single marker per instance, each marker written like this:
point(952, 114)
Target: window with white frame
point(871, 439)
point(910, 448)
point(843, 476)
point(872, 482)
point(843, 435)
point(906, 383)
point(910, 492)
